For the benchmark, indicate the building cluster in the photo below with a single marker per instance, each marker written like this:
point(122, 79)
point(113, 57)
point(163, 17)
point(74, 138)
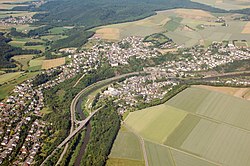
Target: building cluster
point(145, 88)
point(16, 114)
point(119, 53)
point(201, 59)
point(23, 108)
point(17, 20)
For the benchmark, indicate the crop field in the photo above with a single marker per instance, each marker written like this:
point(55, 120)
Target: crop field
point(158, 155)
point(23, 60)
point(211, 128)
point(185, 26)
point(147, 122)
point(124, 162)
point(144, 27)
point(127, 146)
point(226, 4)
point(246, 29)
point(47, 64)
point(36, 64)
point(9, 76)
point(218, 106)
point(237, 92)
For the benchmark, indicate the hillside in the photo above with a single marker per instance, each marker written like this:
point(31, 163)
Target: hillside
point(91, 13)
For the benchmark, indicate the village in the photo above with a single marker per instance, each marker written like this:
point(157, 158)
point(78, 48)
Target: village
point(17, 20)
point(20, 112)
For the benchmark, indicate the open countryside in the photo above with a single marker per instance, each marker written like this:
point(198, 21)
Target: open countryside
point(198, 135)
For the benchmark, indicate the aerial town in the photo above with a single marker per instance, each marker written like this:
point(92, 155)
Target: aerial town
point(21, 110)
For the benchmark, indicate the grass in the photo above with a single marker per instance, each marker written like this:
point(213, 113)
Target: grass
point(23, 60)
point(127, 146)
point(183, 159)
point(6, 89)
point(36, 64)
point(180, 134)
point(147, 122)
point(215, 105)
point(124, 162)
point(173, 24)
point(57, 30)
point(9, 77)
point(53, 37)
point(158, 155)
point(45, 110)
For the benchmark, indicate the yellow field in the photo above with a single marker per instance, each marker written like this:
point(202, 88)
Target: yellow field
point(237, 92)
point(109, 33)
point(47, 64)
point(246, 29)
point(193, 14)
point(144, 27)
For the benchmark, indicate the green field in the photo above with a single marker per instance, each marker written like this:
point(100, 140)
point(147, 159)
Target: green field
point(215, 105)
point(36, 64)
point(127, 146)
point(158, 155)
point(23, 60)
point(147, 122)
point(197, 127)
point(124, 162)
point(9, 77)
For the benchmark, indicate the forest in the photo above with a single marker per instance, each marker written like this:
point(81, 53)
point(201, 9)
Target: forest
point(7, 52)
point(92, 13)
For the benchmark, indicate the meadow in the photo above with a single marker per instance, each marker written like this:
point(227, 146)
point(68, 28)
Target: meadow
point(36, 64)
point(201, 126)
point(23, 60)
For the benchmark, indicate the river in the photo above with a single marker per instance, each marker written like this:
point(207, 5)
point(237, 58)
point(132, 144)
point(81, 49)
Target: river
point(87, 133)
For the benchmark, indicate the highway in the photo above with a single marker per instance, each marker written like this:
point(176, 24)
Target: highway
point(84, 122)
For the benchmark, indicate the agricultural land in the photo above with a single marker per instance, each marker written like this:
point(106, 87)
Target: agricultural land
point(210, 128)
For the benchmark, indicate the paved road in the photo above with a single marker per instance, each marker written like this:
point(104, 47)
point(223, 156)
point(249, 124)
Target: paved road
point(73, 110)
point(82, 124)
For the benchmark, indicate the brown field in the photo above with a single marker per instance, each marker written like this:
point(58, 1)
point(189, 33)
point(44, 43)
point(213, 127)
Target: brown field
point(108, 33)
point(47, 64)
point(246, 29)
point(164, 51)
point(193, 14)
point(237, 92)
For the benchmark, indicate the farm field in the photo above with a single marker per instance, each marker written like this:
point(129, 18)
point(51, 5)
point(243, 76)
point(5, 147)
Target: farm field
point(144, 27)
point(209, 132)
point(148, 121)
point(124, 162)
point(47, 64)
point(237, 92)
point(226, 4)
point(186, 27)
point(9, 76)
point(36, 64)
point(215, 105)
point(127, 146)
point(23, 60)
